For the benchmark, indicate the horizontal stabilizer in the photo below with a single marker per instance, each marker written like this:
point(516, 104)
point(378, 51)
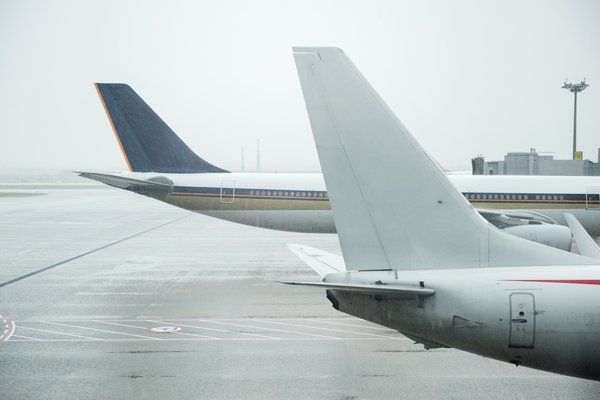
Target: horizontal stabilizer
point(586, 245)
point(322, 262)
point(159, 187)
point(147, 142)
point(398, 291)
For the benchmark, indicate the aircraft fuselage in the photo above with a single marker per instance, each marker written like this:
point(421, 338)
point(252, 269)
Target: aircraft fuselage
point(300, 203)
point(540, 317)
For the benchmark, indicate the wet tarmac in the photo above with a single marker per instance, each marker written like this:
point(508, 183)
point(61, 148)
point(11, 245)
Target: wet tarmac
point(105, 294)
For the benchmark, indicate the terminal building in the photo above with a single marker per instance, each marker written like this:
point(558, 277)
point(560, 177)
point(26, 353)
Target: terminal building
point(532, 163)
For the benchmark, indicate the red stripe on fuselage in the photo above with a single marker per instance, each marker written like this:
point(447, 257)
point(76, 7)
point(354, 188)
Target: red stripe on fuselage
point(573, 281)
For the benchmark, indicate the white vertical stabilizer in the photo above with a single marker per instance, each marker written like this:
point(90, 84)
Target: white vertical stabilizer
point(393, 206)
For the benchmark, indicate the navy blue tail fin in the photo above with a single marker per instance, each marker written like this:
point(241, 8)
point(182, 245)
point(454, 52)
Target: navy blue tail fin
point(147, 142)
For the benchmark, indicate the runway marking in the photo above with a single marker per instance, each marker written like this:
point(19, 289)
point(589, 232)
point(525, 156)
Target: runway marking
point(193, 334)
point(268, 329)
point(246, 339)
point(90, 252)
point(25, 337)
point(24, 251)
point(165, 329)
point(115, 323)
point(353, 325)
point(324, 329)
point(223, 330)
point(7, 330)
point(116, 293)
point(146, 328)
point(254, 330)
point(57, 333)
point(98, 330)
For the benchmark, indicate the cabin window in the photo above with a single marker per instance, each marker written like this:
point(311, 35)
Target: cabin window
point(561, 197)
point(519, 197)
point(252, 193)
point(262, 193)
point(525, 197)
point(496, 197)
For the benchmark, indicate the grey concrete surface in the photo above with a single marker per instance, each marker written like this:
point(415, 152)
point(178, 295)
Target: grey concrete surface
point(84, 328)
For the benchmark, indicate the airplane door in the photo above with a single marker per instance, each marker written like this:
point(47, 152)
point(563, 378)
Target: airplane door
point(592, 198)
point(227, 191)
point(522, 320)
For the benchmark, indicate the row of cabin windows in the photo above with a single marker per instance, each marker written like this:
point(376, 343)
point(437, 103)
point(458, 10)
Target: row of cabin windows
point(513, 196)
point(288, 194)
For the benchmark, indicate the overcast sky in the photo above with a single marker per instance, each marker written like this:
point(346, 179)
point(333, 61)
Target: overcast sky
point(466, 77)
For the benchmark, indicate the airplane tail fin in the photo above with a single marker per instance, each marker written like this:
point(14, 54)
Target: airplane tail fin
point(393, 206)
point(147, 142)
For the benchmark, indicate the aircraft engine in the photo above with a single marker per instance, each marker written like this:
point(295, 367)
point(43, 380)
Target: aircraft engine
point(549, 234)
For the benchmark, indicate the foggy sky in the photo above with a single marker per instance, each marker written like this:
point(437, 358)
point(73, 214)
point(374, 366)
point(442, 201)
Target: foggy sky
point(465, 77)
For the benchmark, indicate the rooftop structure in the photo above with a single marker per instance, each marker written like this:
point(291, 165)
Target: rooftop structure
point(534, 163)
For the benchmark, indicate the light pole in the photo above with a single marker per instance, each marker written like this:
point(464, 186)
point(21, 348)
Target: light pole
point(575, 88)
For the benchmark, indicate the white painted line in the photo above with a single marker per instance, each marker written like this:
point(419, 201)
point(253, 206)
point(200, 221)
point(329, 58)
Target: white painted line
point(99, 330)
point(353, 325)
point(165, 329)
point(147, 328)
point(265, 328)
point(57, 333)
point(25, 337)
point(327, 329)
point(193, 334)
point(24, 251)
point(240, 339)
point(115, 294)
point(117, 324)
point(9, 329)
point(222, 330)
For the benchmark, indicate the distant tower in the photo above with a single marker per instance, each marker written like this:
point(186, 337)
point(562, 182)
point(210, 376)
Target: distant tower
point(257, 155)
point(575, 88)
point(243, 163)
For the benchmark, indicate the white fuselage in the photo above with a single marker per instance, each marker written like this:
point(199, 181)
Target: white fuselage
point(541, 317)
point(299, 202)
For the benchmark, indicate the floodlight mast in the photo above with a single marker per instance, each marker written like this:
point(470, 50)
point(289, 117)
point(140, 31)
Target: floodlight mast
point(575, 88)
